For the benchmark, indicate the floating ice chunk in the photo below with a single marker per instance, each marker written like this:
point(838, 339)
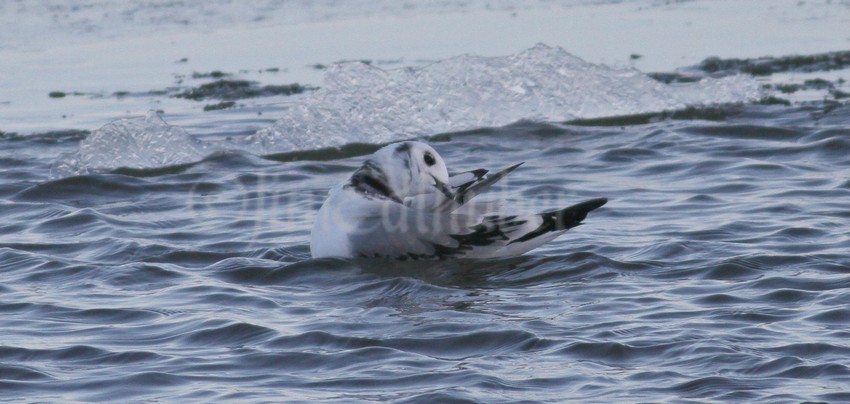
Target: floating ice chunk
point(359, 103)
point(363, 103)
point(730, 89)
point(144, 142)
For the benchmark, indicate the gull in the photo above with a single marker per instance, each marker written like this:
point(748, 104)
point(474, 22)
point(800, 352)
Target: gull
point(402, 204)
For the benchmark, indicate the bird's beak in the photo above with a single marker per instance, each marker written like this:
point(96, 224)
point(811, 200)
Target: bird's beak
point(444, 188)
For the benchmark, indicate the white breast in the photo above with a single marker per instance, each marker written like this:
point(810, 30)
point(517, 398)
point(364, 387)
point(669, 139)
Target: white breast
point(329, 237)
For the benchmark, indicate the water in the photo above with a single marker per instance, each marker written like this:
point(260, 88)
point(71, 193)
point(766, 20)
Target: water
point(165, 256)
point(718, 271)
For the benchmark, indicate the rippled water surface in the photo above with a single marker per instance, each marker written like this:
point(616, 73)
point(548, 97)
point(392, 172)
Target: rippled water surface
point(719, 270)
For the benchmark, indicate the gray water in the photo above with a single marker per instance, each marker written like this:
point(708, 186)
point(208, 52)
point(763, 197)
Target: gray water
point(718, 271)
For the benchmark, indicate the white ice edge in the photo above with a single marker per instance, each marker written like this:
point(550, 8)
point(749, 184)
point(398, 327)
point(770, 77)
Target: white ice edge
point(359, 103)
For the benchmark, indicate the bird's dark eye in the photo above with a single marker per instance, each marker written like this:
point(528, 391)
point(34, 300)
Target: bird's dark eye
point(429, 159)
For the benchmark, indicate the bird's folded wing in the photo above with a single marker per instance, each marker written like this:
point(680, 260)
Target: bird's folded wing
point(466, 178)
point(468, 190)
point(464, 187)
point(393, 230)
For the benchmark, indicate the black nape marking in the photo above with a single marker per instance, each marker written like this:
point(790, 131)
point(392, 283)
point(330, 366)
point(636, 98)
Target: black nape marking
point(403, 148)
point(370, 179)
point(563, 219)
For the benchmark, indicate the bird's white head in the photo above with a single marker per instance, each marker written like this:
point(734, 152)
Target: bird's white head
point(404, 169)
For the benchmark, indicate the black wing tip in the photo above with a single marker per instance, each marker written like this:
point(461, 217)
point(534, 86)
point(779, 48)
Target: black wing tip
point(572, 216)
point(593, 204)
point(501, 174)
point(563, 219)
